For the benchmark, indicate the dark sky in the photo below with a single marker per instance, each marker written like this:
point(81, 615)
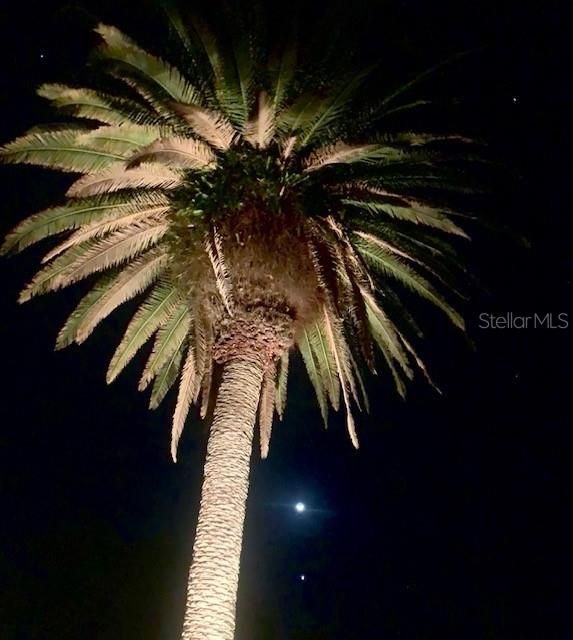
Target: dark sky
point(453, 521)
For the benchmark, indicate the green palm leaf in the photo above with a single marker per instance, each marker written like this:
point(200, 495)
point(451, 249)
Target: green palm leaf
point(282, 69)
point(93, 256)
point(70, 216)
point(166, 378)
point(326, 362)
point(314, 373)
point(58, 150)
point(136, 62)
point(152, 314)
point(139, 213)
point(168, 339)
point(188, 389)
point(332, 109)
point(95, 105)
point(147, 175)
point(122, 140)
point(178, 152)
point(107, 295)
point(387, 264)
point(414, 212)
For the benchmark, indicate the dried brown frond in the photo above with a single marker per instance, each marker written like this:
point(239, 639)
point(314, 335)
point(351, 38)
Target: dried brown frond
point(214, 248)
point(339, 349)
point(266, 410)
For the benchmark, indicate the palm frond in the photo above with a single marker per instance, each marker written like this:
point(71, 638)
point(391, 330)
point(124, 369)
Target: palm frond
point(187, 392)
point(420, 139)
point(444, 181)
point(107, 295)
point(299, 116)
point(240, 80)
point(287, 146)
point(133, 280)
point(178, 152)
point(376, 112)
point(153, 313)
point(395, 307)
point(95, 105)
point(406, 86)
point(123, 140)
point(314, 373)
point(78, 262)
point(339, 350)
point(332, 108)
point(144, 176)
point(260, 129)
point(409, 211)
point(204, 341)
point(343, 153)
point(415, 252)
point(69, 216)
point(58, 150)
point(420, 363)
point(385, 334)
point(138, 214)
point(223, 77)
point(169, 338)
point(140, 64)
point(354, 275)
point(206, 384)
point(212, 126)
point(44, 280)
point(389, 265)
point(81, 261)
point(358, 374)
point(281, 386)
point(326, 362)
point(282, 69)
point(266, 410)
point(68, 332)
point(177, 24)
point(166, 378)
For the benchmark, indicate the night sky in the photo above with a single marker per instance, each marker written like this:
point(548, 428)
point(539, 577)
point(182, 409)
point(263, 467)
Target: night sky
point(452, 521)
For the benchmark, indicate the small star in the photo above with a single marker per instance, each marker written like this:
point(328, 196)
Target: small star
point(42, 55)
point(515, 99)
point(302, 577)
point(299, 507)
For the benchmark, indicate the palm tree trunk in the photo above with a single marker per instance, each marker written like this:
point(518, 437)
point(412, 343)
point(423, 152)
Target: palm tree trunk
point(214, 574)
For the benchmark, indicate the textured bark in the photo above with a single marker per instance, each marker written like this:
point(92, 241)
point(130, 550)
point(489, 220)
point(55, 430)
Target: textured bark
point(214, 574)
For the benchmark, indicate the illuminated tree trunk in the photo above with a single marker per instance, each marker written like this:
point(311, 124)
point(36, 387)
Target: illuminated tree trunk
point(214, 574)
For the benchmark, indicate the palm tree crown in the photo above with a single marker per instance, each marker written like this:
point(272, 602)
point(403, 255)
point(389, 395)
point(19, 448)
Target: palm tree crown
point(257, 216)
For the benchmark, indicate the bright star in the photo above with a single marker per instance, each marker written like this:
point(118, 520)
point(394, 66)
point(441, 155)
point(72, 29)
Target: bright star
point(300, 507)
point(302, 577)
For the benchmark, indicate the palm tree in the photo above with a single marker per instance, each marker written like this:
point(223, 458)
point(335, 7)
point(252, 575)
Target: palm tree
point(259, 218)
